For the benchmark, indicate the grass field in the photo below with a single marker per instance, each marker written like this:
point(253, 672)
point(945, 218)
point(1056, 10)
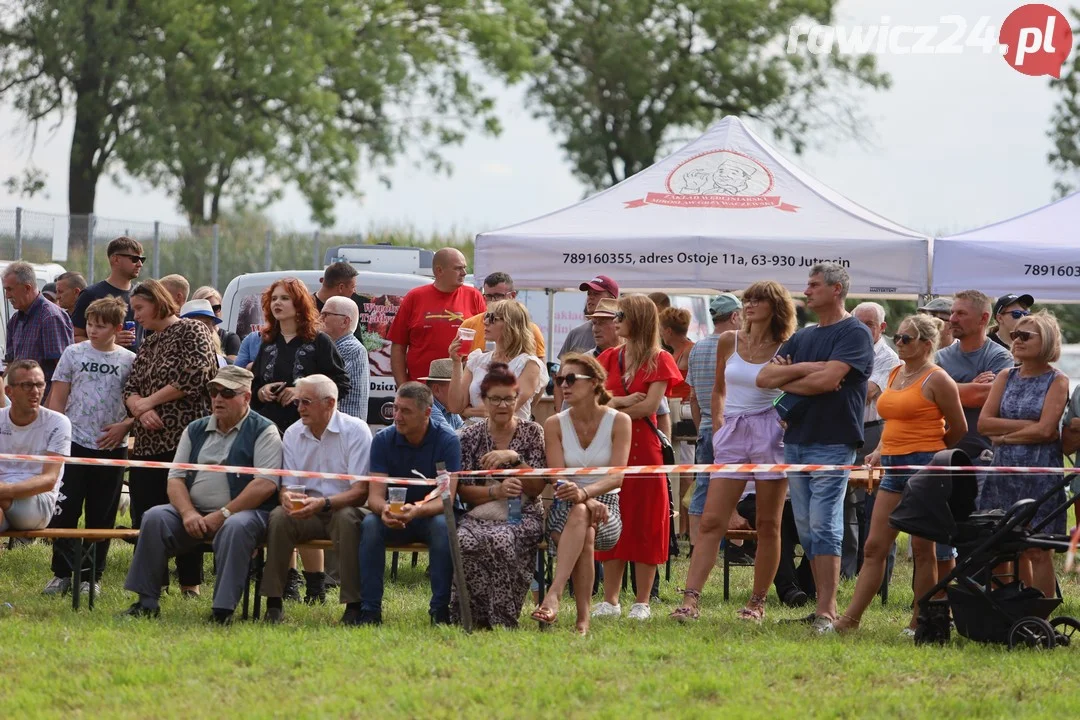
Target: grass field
point(57, 663)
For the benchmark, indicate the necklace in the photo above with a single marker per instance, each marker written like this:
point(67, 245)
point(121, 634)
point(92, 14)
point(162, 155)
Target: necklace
point(905, 376)
point(586, 427)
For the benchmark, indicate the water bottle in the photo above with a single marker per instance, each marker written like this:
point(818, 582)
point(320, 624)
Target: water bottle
point(513, 510)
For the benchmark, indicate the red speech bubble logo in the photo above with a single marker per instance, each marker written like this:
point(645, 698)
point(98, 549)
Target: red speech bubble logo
point(1037, 40)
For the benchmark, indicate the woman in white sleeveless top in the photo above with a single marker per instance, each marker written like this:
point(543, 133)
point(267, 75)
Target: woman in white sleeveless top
point(747, 430)
point(585, 514)
point(507, 324)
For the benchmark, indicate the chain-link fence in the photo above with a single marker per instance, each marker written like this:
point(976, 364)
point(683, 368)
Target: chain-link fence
point(204, 255)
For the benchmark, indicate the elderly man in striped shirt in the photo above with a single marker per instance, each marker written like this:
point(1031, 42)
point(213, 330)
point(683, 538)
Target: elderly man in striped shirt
point(340, 316)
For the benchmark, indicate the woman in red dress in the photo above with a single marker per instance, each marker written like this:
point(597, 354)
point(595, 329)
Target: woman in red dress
point(639, 375)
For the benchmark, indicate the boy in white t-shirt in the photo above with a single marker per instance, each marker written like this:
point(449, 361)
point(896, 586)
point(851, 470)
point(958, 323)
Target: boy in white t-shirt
point(88, 387)
point(28, 491)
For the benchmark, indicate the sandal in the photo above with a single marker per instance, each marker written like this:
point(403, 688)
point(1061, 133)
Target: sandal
point(754, 610)
point(686, 612)
point(545, 616)
point(854, 624)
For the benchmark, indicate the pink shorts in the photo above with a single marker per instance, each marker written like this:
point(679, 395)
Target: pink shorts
point(752, 438)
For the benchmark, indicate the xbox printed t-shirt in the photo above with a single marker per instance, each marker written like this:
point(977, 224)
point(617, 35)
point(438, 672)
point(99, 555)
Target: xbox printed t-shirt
point(427, 322)
point(96, 398)
point(49, 433)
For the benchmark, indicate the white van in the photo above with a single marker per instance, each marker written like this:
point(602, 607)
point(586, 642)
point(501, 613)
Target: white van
point(241, 312)
point(45, 273)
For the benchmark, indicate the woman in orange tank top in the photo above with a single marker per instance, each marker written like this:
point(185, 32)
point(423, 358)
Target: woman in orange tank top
point(921, 408)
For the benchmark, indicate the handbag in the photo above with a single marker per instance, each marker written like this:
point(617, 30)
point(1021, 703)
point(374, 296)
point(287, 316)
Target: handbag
point(665, 444)
point(493, 511)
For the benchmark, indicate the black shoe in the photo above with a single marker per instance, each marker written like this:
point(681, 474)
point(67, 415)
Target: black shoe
point(292, 586)
point(140, 611)
point(319, 598)
point(737, 555)
point(274, 616)
point(795, 597)
point(356, 617)
point(189, 594)
point(365, 617)
point(221, 617)
point(808, 620)
point(440, 616)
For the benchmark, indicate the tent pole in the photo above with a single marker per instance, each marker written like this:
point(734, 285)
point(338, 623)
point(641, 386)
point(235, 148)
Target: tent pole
point(551, 324)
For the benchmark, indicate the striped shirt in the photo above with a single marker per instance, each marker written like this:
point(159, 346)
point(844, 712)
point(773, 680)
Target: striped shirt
point(701, 375)
point(355, 355)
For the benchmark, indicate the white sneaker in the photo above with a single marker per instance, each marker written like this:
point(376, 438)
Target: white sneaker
point(84, 588)
point(907, 633)
point(57, 586)
point(606, 609)
point(640, 611)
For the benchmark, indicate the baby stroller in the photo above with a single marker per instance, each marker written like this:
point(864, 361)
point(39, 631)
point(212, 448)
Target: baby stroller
point(984, 606)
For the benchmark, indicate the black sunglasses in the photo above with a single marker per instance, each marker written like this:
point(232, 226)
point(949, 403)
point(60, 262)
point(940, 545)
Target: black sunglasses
point(216, 308)
point(1024, 335)
point(133, 258)
point(903, 338)
point(570, 378)
point(223, 392)
point(490, 319)
point(620, 316)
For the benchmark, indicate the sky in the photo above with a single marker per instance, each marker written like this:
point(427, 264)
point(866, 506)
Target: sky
point(959, 141)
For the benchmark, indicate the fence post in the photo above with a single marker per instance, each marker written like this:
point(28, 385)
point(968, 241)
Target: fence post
point(269, 242)
point(91, 221)
point(18, 233)
point(157, 249)
point(214, 256)
point(318, 256)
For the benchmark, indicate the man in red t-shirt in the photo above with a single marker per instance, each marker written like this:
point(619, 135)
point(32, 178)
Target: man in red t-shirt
point(429, 316)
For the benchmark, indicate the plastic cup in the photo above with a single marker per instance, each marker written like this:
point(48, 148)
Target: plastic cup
point(396, 497)
point(467, 335)
point(297, 494)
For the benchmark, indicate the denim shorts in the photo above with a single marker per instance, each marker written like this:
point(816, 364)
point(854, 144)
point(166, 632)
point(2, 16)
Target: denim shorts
point(896, 480)
point(703, 456)
point(817, 498)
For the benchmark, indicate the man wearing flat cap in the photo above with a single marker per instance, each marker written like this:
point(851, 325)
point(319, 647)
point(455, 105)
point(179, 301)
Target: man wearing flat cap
point(229, 510)
point(941, 308)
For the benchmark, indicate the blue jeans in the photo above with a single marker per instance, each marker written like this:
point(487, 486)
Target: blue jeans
point(373, 541)
point(702, 456)
point(817, 498)
point(896, 480)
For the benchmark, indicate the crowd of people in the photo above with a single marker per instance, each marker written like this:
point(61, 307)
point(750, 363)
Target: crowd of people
point(92, 365)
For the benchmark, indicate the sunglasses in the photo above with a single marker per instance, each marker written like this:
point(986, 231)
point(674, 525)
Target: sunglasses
point(223, 392)
point(305, 401)
point(490, 319)
point(1022, 335)
point(133, 258)
point(216, 308)
point(620, 316)
point(495, 297)
point(903, 338)
point(570, 378)
point(1017, 314)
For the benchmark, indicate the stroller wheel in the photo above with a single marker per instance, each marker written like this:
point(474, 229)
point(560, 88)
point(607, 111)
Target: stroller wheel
point(1032, 632)
point(1065, 627)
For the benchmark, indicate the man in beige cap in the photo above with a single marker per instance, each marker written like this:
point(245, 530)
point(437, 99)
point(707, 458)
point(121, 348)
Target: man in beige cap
point(227, 509)
point(438, 380)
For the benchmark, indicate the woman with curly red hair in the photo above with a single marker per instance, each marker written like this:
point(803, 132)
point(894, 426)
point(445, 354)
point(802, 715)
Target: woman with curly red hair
point(292, 347)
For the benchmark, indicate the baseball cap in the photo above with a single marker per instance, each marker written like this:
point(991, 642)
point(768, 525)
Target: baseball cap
point(938, 305)
point(1026, 301)
point(606, 308)
point(724, 304)
point(601, 283)
point(233, 377)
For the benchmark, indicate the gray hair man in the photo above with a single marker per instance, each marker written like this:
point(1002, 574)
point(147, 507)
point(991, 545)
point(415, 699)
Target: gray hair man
point(340, 316)
point(69, 286)
point(824, 370)
point(323, 440)
point(228, 509)
point(29, 492)
point(38, 330)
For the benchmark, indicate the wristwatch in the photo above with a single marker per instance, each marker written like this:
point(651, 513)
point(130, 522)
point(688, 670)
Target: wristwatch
point(326, 506)
point(226, 513)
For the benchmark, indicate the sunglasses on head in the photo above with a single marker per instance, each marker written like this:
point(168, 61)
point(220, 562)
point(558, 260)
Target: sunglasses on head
point(570, 378)
point(490, 319)
point(903, 338)
point(1023, 335)
point(1017, 314)
point(223, 392)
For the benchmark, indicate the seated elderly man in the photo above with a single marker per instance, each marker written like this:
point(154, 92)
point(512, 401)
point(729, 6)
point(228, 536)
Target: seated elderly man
point(227, 509)
point(29, 491)
point(412, 444)
point(323, 440)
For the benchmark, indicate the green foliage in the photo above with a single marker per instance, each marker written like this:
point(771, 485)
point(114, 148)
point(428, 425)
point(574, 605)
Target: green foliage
point(624, 78)
point(1065, 122)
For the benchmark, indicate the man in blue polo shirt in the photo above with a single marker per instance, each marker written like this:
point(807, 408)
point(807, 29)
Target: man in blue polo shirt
point(412, 443)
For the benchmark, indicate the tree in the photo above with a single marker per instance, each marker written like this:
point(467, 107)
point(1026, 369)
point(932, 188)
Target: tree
point(210, 98)
point(623, 77)
point(1065, 122)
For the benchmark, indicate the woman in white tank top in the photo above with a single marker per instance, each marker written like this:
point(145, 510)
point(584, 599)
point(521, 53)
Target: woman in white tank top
point(747, 430)
point(585, 514)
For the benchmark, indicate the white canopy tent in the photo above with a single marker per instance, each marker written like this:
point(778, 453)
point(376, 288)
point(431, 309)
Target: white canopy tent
point(1037, 253)
point(721, 212)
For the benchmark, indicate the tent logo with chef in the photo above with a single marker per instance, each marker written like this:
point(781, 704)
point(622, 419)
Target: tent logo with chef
point(717, 179)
